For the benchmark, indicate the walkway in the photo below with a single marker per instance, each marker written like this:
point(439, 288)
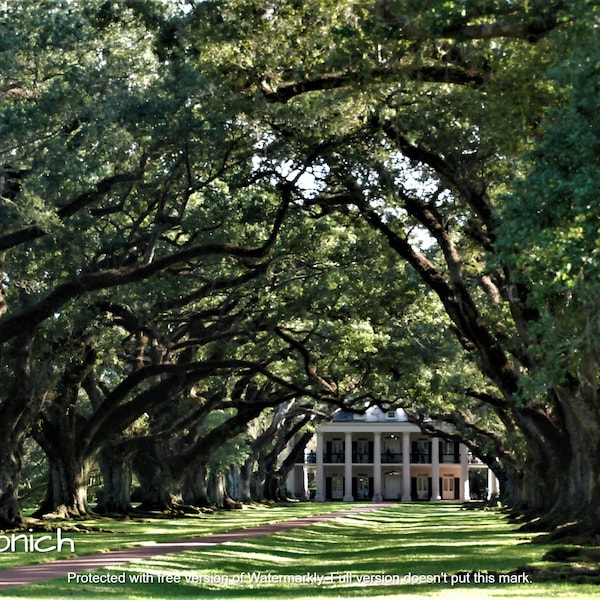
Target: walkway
point(60, 568)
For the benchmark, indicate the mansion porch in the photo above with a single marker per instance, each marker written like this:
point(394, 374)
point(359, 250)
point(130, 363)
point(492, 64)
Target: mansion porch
point(381, 456)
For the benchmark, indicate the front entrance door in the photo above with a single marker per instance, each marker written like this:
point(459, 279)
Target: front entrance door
point(337, 487)
point(448, 487)
point(362, 487)
point(392, 486)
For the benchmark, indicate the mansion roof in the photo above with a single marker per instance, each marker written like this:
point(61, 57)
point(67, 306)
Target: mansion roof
point(372, 415)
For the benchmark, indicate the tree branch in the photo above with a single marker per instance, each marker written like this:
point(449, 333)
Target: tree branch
point(88, 282)
point(28, 234)
point(442, 73)
point(526, 25)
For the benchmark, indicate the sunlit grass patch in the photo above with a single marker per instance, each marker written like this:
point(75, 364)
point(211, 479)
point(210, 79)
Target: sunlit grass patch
point(105, 534)
point(401, 551)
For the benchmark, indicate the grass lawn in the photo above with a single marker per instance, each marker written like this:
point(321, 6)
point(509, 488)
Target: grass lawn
point(401, 551)
point(104, 534)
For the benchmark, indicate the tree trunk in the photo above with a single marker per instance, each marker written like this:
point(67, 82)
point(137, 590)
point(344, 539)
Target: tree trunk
point(510, 479)
point(259, 478)
point(17, 412)
point(217, 493)
point(234, 482)
point(577, 469)
point(194, 489)
point(10, 473)
point(151, 467)
point(66, 496)
point(246, 474)
point(540, 483)
point(274, 486)
point(58, 432)
point(115, 496)
point(68, 468)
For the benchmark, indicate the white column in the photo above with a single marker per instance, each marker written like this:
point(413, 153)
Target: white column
point(305, 492)
point(406, 466)
point(435, 470)
point(492, 484)
point(348, 468)
point(464, 473)
point(320, 491)
point(377, 497)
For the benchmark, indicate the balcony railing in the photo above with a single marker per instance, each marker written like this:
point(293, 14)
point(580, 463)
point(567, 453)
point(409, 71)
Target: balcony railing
point(420, 458)
point(334, 457)
point(416, 458)
point(362, 457)
point(391, 457)
point(450, 458)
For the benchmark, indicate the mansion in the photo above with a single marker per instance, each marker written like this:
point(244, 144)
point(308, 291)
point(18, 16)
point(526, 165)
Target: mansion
point(382, 456)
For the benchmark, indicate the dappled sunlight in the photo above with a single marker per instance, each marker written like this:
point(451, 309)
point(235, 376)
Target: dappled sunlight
point(403, 551)
point(252, 555)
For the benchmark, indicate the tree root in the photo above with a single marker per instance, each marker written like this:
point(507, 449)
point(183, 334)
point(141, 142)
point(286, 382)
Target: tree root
point(577, 534)
point(581, 567)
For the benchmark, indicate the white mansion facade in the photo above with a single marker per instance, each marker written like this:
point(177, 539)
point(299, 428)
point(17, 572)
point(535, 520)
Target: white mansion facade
point(381, 456)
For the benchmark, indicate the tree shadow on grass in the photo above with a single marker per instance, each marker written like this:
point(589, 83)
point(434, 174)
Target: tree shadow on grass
point(392, 542)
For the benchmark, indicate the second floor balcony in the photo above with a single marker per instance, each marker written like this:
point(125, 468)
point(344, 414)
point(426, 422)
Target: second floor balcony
point(387, 458)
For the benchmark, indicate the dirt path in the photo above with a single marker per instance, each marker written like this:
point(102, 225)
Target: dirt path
point(60, 568)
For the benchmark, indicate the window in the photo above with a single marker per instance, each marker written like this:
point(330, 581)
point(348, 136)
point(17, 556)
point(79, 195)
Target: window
point(337, 450)
point(448, 452)
point(362, 451)
point(422, 452)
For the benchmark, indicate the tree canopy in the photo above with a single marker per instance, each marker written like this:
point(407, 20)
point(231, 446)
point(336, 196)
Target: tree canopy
point(222, 211)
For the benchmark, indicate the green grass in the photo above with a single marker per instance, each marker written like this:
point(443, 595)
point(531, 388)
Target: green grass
point(366, 555)
point(104, 534)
